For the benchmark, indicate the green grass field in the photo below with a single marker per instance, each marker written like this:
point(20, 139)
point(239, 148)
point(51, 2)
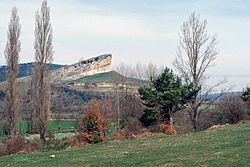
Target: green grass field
point(227, 146)
point(64, 125)
point(102, 77)
point(54, 126)
point(109, 77)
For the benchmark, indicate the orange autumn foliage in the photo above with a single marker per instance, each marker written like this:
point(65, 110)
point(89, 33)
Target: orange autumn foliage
point(93, 124)
point(167, 129)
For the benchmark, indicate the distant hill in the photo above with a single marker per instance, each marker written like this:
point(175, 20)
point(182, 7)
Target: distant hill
point(25, 69)
point(110, 77)
point(216, 96)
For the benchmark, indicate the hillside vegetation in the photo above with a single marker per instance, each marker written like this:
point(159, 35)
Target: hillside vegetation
point(98, 78)
point(109, 77)
point(25, 69)
point(224, 146)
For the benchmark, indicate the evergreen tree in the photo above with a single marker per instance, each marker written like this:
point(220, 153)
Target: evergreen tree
point(164, 97)
point(246, 96)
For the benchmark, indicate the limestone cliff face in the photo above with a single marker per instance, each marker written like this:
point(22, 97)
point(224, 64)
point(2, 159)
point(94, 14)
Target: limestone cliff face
point(95, 65)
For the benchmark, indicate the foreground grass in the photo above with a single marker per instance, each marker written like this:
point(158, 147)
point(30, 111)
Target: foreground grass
point(227, 146)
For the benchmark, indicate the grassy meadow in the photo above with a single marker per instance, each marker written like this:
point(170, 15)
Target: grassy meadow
point(224, 146)
point(54, 126)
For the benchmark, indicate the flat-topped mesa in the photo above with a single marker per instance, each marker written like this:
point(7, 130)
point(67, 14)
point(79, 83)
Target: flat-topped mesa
point(92, 66)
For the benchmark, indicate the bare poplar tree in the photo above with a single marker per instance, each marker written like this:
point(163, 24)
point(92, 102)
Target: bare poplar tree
point(151, 71)
point(196, 53)
point(138, 72)
point(41, 76)
point(12, 51)
point(125, 71)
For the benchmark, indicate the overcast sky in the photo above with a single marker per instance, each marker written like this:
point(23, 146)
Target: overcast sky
point(136, 30)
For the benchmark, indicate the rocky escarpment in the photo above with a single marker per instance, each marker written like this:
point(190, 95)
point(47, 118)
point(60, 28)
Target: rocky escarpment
point(95, 65)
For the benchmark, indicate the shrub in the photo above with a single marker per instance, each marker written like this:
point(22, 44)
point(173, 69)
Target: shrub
point(17, 145)
point(78, 140)
point(73, 141)
point(183, 123)
point(167, 129)
point(124, 134)
point(54, 144)
point(36, 144)
point(50, 135)
point(233, 109)
point(20, 145)
point(119, 135)
point(132, 125)
point(92, 125)
point(3, 149)
point(208, 119)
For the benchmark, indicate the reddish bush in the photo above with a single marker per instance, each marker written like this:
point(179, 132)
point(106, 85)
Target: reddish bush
point(92, 125)
point(126, 134)
point(102, 138)
point(167, 129)
point(76, 141)
point(20, 145)
point(35, 144)
point(17, 145)
point(119, 135)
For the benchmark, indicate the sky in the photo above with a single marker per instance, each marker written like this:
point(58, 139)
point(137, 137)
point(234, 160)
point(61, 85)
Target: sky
point(136, 31)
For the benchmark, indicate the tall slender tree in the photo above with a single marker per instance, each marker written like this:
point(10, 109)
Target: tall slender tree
point(12, 51)
point(41, 76)
point(195, 55)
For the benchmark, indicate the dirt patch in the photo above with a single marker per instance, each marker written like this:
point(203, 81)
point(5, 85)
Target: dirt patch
point(217, 126)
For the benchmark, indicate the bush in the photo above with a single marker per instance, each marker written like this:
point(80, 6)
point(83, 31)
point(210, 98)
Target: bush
point(17, 145)
point(92, 126)
point(124, 134)
point(119, 135)
point(36, 144)
point(167, 129)
point(54, 144)
point(182, 122)
point(3, 149)
point(78, 140)
point(20, 145)
point(233, 109)
point(208, 119)
point(132, 125)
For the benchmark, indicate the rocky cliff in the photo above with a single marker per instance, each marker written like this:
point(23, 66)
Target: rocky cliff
point(95, 65)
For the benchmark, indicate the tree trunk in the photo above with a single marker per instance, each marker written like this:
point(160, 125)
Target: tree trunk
point(195, 125)
point(171, 120)
point(12, 132)
point(194, 122)
point(42, 135)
